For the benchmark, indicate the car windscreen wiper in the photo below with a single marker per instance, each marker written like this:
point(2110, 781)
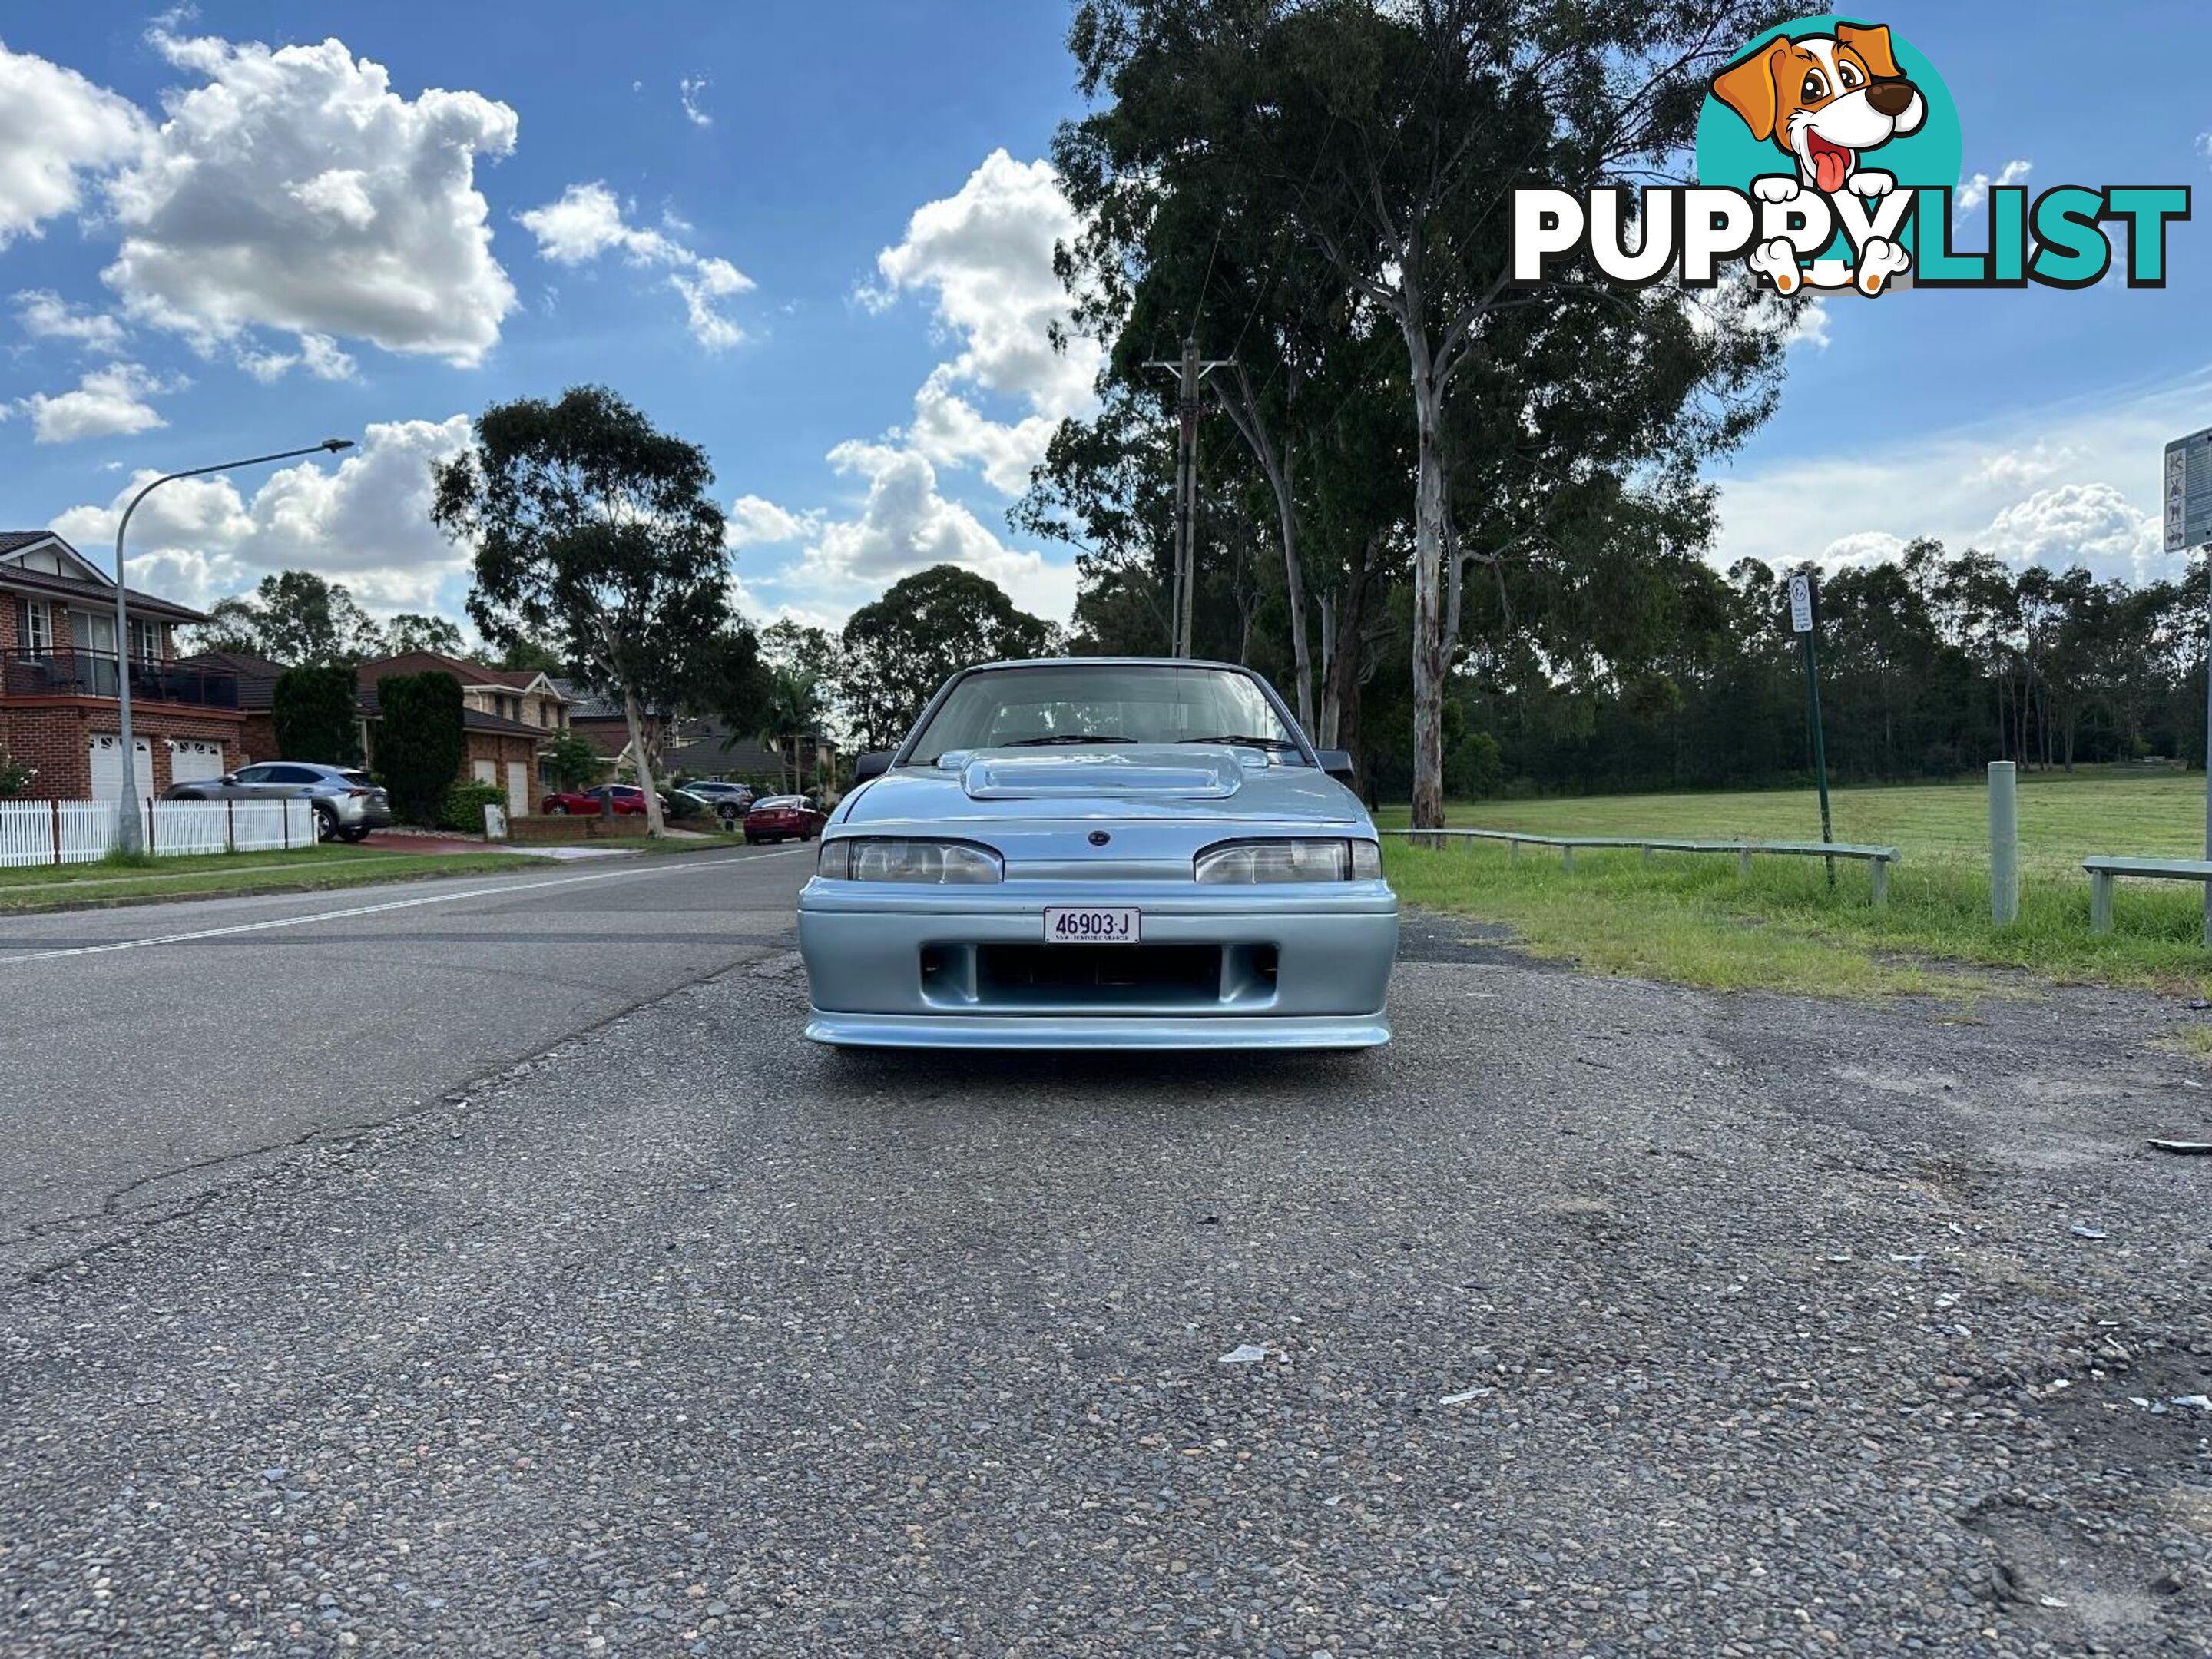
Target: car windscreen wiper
point(1239, 742)
point(1062, 737)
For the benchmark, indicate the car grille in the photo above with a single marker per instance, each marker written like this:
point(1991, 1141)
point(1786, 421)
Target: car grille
point(1078, 978)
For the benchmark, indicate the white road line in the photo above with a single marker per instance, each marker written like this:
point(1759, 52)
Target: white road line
point(671, 868)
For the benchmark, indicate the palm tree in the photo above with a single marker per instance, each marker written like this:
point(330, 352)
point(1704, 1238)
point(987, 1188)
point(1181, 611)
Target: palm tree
point(793, 710)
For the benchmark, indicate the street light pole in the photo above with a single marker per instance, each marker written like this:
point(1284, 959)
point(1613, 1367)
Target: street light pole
point(127, 807)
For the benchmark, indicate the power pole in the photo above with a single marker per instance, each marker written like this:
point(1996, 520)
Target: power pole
point(1189, 370)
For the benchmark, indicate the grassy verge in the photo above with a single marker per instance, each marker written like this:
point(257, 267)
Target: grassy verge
point(1694, 920)
point(74, 886)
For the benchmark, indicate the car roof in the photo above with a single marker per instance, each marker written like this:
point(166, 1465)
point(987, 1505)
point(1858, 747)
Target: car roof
point(1111, 662)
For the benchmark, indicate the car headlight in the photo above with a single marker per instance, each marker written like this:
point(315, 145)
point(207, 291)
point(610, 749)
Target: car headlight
point(1243, 862)
point(939, 863)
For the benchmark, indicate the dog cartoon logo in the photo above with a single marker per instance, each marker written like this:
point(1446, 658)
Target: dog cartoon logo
point(1825, 101)
point(1828, 152)
point(1830, 122)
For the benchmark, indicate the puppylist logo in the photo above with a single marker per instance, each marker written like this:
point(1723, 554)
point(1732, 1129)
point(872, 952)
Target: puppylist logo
point(1826, 154)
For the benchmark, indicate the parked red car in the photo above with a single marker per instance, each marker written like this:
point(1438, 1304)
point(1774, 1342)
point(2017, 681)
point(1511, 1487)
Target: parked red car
point(782, 816)
point(628, 798)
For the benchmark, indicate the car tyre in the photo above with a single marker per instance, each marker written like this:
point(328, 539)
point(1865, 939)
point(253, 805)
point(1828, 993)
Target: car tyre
point(326, 824)
point(353, 836)
point(558, 810)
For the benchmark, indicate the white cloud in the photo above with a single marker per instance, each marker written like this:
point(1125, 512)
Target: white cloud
point(46, 315)
point(365, 522)
point(55, 127)
point(2092, 524)
point(1976, 191)
point(690, 87)
point(296, 191)
point(108, 403)
point(588, 221)
point(985, 256)
point(756, 521)
point(2053, 486)
point(904, 525)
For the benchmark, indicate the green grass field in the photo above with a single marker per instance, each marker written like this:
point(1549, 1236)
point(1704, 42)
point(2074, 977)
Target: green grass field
point(1693, 918)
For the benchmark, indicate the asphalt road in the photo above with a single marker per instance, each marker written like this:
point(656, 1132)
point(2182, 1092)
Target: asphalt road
point(154, 1051)
point(1591, 1318)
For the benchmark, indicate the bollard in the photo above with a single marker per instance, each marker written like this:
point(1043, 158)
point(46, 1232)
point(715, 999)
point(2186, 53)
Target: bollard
point(2004, 843)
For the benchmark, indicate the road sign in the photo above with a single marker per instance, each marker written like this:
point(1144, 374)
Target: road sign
point(1801, 604)
point(2185, 491)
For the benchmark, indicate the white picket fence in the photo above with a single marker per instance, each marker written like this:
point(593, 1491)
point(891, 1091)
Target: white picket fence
point(84, 831)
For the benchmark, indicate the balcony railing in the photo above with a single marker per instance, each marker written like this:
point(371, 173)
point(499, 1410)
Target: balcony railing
point(72, 673)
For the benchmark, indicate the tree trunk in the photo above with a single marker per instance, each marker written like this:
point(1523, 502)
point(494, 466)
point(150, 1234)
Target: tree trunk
point(653, 826)
point(1431, 648)
point(1328, 703)
point(1339, 706)
point(1244, 411)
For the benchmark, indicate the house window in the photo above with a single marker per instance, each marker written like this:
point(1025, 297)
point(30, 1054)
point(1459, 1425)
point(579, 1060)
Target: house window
point(145, 640)
point(90, 631)
point(38, 627)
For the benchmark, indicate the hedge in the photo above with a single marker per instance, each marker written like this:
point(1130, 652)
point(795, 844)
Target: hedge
point(312, 710)
point(421, 743)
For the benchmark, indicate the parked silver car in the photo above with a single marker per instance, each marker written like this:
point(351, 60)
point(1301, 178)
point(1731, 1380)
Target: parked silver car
point(1101, 853)
point(719, 791)
point(349, 803)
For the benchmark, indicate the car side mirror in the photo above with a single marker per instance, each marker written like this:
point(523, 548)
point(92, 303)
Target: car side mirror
point(228, 778)
point(870, 766)
point(1337, 762)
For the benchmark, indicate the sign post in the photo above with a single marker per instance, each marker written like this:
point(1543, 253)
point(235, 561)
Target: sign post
point(1801, 623)
point(2187, 494)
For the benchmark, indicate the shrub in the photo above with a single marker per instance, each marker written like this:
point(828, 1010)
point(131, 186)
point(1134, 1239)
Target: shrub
point(15, 777)
point(420, 743)
point(464, 806)
point(312, 710)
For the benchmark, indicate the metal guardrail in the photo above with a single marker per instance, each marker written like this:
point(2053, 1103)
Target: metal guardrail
point(1877, 859)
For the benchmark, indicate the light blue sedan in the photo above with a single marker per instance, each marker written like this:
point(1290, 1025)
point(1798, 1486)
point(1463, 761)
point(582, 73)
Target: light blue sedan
point(1101, 853)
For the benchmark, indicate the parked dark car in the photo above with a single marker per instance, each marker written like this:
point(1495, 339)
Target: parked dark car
point(781, 817)
point(628, 798)
point(349, 803)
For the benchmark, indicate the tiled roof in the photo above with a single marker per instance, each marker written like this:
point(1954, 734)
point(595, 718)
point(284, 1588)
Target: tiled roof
point(585, 704)
point(40, 582)
point(473, 719)
point(256, 676)
point(15, 541)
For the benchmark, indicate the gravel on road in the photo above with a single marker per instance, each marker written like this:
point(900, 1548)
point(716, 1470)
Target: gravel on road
point(1590, 1318)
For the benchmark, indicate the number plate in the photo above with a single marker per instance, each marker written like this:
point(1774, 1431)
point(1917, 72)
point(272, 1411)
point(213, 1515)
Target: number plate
point(1093, 925)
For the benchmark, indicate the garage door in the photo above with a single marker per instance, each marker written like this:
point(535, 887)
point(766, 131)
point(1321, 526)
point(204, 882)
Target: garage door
point(518, 788)
point(106, 751)
point(192, 761)
point(485, 772)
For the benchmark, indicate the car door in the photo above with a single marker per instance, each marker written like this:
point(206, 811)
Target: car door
point(247, 783)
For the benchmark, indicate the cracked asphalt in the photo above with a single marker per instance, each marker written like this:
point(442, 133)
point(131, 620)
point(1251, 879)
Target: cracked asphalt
point(1590, 1318)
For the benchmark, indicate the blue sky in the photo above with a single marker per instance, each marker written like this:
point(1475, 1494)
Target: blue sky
point(816, 240)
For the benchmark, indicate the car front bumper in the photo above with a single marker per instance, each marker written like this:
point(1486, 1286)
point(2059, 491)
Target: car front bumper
point(1218, 968)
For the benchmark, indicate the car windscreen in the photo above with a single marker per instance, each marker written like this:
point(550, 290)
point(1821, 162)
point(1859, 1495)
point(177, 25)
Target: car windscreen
point(1080, 703)
point(359, 779)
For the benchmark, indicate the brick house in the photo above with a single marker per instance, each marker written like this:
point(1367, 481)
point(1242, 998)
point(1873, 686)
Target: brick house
point(257, 678)
point(508, 714)
point(61, 676)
